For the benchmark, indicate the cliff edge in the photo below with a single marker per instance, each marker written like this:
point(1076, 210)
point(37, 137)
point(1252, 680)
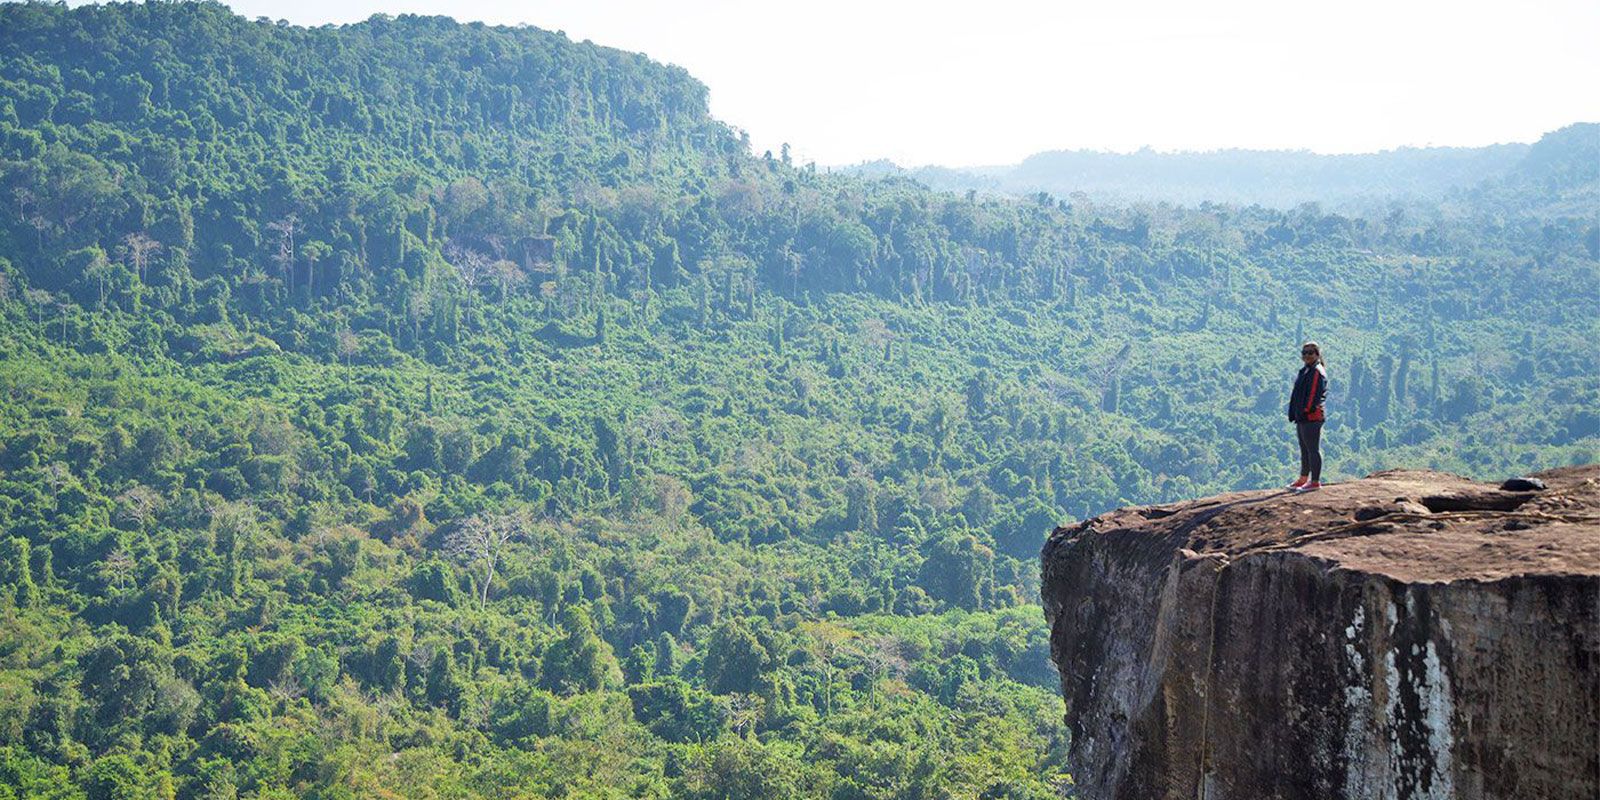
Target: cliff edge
point(1411, 634)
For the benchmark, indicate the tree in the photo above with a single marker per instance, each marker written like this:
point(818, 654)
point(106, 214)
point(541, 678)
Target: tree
point(482, 539)
point(1467, 398)
point(427, 157)
point(346, 344)
point(138, 505)
point(1402, 377)
point(673, 607)
point(827, 642)
point(734, 660)
point(386, 666)
point(15, 574)
point(959, 570)
point(1383, 394)
point(38, 298)
point(506, 276)
point(443, 686)
point(580, 661)
point(313, 253)
point(676, 711)
point(286, 228)
point(139, 246)
point(742, 768)
point(472, 267)
point(861, 508)
point(1111, 399)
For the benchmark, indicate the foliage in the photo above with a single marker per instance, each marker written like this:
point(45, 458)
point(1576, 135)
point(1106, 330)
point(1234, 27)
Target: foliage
point(459, 408)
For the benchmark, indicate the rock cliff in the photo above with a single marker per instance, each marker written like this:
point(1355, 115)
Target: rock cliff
point(1408, 635)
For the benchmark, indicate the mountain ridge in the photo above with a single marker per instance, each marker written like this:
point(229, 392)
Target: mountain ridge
point(1279, 178)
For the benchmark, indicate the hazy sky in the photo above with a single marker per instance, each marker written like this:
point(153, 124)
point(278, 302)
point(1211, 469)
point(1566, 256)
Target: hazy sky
point(990, 82)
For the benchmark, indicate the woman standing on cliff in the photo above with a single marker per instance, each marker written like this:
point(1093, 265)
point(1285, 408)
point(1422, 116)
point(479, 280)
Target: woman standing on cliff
point(1305, 411)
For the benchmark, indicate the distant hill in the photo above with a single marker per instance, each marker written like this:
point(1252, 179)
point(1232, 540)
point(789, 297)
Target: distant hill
point(1559, 176)
point(1568, 157)
point(1274, 178)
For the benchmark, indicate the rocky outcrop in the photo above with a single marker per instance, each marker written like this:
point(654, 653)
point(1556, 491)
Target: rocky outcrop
point(1408, 635)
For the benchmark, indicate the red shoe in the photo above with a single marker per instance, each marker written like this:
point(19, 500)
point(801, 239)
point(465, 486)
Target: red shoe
point(1309, 487)
point(1299, 482)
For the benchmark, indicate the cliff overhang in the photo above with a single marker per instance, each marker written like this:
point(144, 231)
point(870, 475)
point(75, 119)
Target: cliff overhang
point(1412, 634)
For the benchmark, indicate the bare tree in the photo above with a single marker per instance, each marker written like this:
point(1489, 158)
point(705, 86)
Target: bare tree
point(545, 209)
point(658, 426)
point(471, 266)
point(117, 569)
point(63, 307)
point(744, 710)
point(347, 343)
point(875, 333)
point(285, 690)
point(138, 505)
point(417, 306)
point(672, 498)
point(235, 520)
point(1108, 371)
point(483, 538)
point(421, 657)
point(884, 656)
point(548, 290)
point(794, 266)
point(1058, 388)
point(506, 275)
point(37, 298)
point(25, 198)
point(40, 223)
point(827, 642)
point(476, 710)
point(286, 229)
point(139, 246)
point(28, 211)
point(57, 475)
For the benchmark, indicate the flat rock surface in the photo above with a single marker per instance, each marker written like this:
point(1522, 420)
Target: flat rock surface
point(1411, 525)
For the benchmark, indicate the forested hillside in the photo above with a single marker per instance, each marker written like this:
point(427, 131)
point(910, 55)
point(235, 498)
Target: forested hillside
point(421, 409)
point(1284, 179)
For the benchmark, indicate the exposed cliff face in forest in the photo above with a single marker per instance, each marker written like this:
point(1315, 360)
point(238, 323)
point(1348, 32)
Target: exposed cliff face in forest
point(1408, 635)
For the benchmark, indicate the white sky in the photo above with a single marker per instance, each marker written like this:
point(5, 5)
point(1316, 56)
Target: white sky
point(970, 83)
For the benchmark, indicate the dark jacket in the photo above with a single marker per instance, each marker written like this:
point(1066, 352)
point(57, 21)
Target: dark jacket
point(1310, 389)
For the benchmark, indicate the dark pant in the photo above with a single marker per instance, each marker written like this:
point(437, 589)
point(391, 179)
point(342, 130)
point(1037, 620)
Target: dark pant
point(1310, 449)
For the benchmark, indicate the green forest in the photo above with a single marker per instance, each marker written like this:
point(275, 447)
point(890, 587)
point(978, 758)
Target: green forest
point(435, 410)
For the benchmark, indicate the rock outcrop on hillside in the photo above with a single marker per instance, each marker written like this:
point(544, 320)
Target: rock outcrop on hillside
point(1408, 635)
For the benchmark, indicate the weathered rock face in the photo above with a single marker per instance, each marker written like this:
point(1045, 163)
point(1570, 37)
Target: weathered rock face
point(1407, 635)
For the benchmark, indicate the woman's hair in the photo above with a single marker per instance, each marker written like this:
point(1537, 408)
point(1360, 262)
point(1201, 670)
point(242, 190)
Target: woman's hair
point(1316, 347)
